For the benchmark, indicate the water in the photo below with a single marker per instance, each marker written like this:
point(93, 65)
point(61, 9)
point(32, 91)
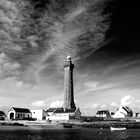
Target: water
point(70, 134)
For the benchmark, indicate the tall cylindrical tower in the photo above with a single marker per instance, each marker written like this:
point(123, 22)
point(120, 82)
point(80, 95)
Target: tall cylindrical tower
point(68, 84)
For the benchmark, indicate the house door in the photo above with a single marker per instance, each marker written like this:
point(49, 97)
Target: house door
point(11, 116)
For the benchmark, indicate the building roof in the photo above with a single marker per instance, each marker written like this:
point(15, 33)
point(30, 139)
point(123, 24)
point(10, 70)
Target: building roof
point(67, 110)
point(24, 110)
point(100, 111)
point(51, 110)
point(127, 109)
point(61, 110)
point(2, 113)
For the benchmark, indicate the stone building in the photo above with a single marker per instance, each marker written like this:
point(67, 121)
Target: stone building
point(18, 113)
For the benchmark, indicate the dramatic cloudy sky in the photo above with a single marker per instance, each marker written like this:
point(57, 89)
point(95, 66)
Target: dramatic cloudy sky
point(101, 36)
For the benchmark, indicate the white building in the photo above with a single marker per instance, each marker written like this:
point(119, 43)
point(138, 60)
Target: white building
point(18, 113)
point(103, 113)
point(123, 112)
point(61, 114)
point(38, 114)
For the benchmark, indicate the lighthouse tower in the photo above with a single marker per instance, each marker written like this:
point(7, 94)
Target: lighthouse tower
point(68, 84)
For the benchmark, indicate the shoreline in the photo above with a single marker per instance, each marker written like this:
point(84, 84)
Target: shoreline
point(28, 125)
point(39, 125)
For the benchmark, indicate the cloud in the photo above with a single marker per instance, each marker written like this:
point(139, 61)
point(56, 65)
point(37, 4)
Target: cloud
point(7, 67)
point(7, 4)
point(73, 35)
point(75, 13)
point(56, 104)
point(104, 106)
point(121, 64)
point(95, 106)
point(91, 84)
point(4, 36)
point(114, 104)
point(4, 19)
point(40, 47)
point(77, 28)
point(12, 21)
point(127, 100)
point(38, 103)
point(96, 86)
point(130, 101)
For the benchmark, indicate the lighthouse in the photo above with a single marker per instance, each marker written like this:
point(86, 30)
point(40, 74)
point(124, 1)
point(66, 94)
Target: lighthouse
point(69, 110)
point(68, 84)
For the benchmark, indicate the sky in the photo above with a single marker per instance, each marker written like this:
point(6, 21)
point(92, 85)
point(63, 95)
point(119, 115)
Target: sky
point(100, 35)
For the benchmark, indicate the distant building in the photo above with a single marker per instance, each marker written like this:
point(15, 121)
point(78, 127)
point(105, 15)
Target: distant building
point(103, 113)
point(38, 114)
point(2, 115)
point(61, 114)
point(135, 114)
point(18, 113)
point(138, 115)
point(123, 112)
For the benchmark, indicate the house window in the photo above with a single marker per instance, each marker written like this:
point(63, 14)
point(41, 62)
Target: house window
point(18, 115)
